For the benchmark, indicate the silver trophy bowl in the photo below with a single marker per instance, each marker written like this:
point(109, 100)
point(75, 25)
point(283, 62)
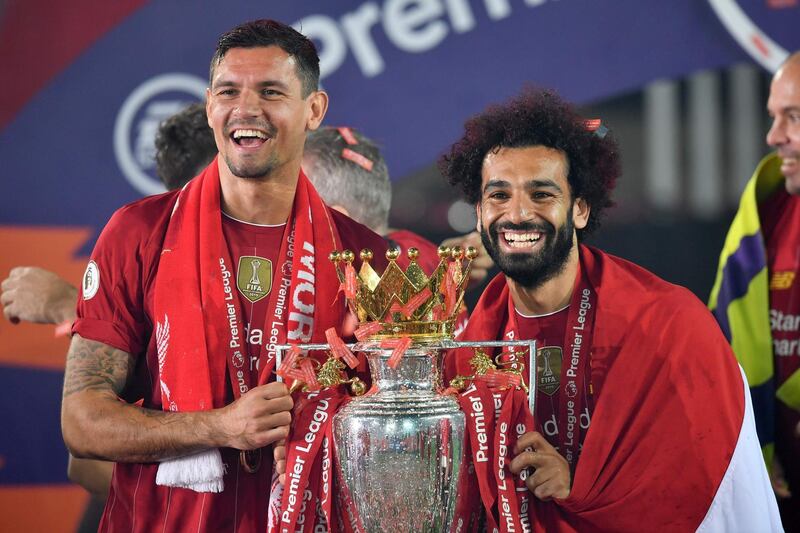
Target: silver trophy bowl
point(400, 445)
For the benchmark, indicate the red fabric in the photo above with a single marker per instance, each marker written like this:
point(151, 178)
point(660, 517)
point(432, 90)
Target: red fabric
point(190, 300)
point(261, 241)
point(121, 315)
point(549, 332)
point(669, 412)
point(779, 215)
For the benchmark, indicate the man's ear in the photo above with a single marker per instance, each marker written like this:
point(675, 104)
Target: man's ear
point(580, 213)
point(478, 214)
point(318, 106)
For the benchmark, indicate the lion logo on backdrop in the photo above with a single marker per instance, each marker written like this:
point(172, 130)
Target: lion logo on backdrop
point(548, 369)
point(137, 122)
point(254, 277)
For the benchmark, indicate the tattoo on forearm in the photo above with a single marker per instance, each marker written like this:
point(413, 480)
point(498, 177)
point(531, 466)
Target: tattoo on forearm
point(93, 365)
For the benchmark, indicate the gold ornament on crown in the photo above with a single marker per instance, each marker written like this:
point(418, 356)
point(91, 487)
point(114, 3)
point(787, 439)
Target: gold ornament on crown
point(412, 303)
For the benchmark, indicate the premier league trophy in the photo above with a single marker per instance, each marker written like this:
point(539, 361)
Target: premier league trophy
point(398, 447)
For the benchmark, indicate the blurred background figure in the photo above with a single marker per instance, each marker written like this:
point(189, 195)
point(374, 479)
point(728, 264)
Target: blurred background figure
point(756, 297)
point(184, 146)
point(350, 174)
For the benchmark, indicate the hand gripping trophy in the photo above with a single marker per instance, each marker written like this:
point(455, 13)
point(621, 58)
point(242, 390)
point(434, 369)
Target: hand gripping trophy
point(390, 458)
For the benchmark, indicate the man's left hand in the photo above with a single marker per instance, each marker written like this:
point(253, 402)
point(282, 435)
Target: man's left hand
point(550, 476)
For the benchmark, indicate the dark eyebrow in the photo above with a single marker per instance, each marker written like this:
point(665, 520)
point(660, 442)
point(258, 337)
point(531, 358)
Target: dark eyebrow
point(545, 183)
point(266, 83)
point(495, 184)
point(531, 184)
point(787, 109)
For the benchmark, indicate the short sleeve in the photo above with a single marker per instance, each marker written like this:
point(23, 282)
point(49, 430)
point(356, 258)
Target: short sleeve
point(111, 300)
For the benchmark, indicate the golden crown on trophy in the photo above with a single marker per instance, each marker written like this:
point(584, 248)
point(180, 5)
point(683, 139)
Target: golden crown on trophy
point(410, 303)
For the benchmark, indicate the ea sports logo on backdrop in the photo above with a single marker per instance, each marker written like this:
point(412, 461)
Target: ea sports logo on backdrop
point(137, 123)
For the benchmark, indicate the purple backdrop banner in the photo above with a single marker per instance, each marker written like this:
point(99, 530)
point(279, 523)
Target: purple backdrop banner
point(406, 72)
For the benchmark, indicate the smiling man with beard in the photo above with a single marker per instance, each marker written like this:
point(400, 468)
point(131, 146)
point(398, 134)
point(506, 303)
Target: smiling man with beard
point(643, 421)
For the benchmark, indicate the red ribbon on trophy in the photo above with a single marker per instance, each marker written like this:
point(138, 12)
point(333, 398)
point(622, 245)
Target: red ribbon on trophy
point(313, 414)
point(504, 439)
point(478, 406)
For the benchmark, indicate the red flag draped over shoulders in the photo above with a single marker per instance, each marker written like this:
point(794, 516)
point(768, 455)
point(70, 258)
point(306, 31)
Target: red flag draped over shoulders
point(669, 403)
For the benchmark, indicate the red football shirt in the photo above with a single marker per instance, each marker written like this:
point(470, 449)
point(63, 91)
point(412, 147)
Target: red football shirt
point(548, 330)
point(254, 251)
point(119, 313)
point(780, 214)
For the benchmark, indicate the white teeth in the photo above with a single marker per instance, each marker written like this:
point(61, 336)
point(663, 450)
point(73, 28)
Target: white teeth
point(238, 134)
point(522, 237)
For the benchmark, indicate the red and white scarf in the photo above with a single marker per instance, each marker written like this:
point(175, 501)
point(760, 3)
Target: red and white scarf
point(199, 328)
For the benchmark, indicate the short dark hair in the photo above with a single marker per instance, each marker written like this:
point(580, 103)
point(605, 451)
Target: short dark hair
point(265, 32)
point(366, 194)
point(538, 118)
point(184, 145)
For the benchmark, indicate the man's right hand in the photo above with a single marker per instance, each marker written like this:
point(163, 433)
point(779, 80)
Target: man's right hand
point(32, 294)
point(96, 425)
point(259, 418)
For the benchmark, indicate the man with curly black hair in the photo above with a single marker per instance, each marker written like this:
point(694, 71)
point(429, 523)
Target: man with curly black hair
point(641, 417)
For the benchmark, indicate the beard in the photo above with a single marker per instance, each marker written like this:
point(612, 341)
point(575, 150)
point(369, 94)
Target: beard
point(531, 270)
point(249, 166)
point(250, 169)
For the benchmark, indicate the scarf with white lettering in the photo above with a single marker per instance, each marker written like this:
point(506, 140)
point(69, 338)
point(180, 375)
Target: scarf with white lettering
point(668, 411)
point(307, 502)
point(199, 328)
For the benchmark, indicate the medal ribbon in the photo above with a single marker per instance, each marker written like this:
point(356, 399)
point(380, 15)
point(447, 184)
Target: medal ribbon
point(478, 405)
point(577, 346)
point(326, 496)
point(504, 439)
point(524, 424)
point(309, 517)
point(467, 514)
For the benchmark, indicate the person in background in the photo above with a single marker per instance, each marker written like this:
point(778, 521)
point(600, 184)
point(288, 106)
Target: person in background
point(349, 171)
point(756, 295)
